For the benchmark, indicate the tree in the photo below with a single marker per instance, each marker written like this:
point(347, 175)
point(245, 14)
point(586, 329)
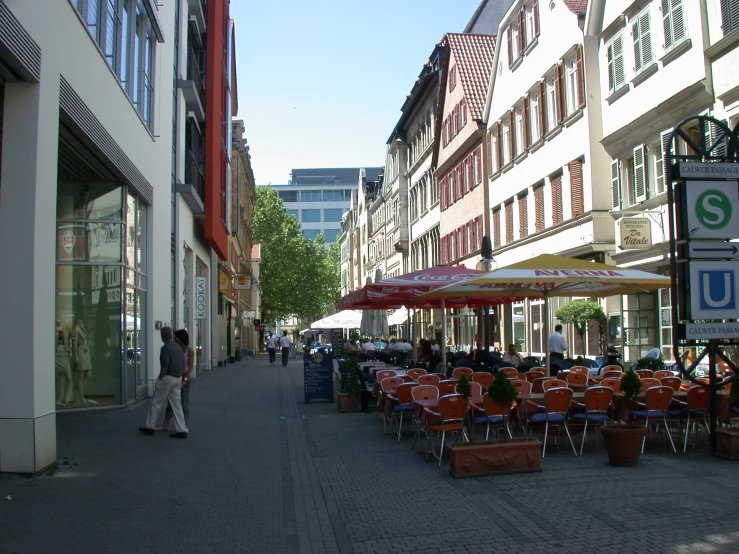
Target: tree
point(297, 275)
point(579, 313)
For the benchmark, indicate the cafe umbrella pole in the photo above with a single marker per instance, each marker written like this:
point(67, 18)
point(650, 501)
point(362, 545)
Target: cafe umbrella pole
point(443, 335)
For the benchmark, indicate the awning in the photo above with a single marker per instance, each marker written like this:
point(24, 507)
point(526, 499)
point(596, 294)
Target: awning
point(348, 319)
point(398, 317)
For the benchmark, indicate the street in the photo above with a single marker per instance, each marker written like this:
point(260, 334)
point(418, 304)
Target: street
point(261, 472)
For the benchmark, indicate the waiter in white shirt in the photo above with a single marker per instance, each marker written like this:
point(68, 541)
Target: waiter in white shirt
point(285, 344)
point(557, 344)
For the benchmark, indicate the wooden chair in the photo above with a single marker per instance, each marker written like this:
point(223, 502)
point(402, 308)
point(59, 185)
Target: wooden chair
point(401, 403)
point(422, 392)
point(432, 379)
point(662, 373)
point(645, 373)
point(534, 374)
point(416, 373)
point(657, 400)
point(495, 417)
point(553, 383)
point(450, 419)
point(510, 372)
point(485, 379)
point(459, 371)
point(556, 404)
point(447, 386)
point(597, 402)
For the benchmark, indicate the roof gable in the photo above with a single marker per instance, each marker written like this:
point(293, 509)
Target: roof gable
point(473, 55)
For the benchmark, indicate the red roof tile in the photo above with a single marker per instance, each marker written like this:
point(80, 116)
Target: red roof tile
point(474, 57)
point(578, 7)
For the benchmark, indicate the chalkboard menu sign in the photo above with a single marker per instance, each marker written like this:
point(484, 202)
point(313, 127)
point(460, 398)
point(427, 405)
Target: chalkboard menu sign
point(337, 340)
point(318, 375)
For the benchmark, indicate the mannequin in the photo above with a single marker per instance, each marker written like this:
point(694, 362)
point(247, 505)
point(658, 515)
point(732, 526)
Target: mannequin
point(82, 364)
point(62, 353)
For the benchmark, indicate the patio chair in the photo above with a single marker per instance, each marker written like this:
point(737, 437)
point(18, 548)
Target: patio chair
point(553, 383)
point(537, 386)
point(384, 374)
point(580, 369)
point(485, 379)
point(432, 379)
point(663, 373)
point(510, 372)
point(450, 420)
point(611, 367)
point(387, 386)
point(657, 400)
point(614, 384)
point(556, 405)
point(401, 403)
point(416, 373)
point(494, 416)
point(447, 386)
point(459, 371)
point(649, 382)
point(534, 373)
point(696, 407)
point(522, 404)
point(645, 373)
point(597, 402)
point(673, 382)
point(422, 392)
point(612, 373)
point(475, 390)
point(577, 379)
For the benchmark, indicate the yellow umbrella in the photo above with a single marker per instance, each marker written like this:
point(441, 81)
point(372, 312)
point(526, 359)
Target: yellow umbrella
point(551, 275)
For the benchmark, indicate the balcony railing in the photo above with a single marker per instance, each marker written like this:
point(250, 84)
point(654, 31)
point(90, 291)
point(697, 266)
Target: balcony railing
point(194, 175)
point(194, 74)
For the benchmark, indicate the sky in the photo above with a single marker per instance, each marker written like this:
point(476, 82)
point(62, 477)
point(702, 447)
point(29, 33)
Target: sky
point(321, 82)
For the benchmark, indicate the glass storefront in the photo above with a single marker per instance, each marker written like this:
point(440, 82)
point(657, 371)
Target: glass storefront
point(99, 340)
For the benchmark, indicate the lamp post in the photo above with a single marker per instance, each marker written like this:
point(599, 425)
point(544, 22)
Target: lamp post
point(486, 264)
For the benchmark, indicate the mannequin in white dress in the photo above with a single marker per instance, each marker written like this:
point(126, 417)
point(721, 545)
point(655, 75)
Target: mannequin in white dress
point(62, 353)
point(82, 363)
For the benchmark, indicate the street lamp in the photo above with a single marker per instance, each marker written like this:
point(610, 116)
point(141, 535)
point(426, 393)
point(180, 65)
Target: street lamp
point(486, 265)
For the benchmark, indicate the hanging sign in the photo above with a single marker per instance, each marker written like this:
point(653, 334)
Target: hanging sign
point(242, 282)
point(635, 233)
point(712, 210)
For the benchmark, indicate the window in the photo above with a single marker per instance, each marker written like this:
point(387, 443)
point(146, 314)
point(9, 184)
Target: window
point(729, 16)
point(642, 38)
point(493, 153)
point(519, 129)
point(638, 181)
point(293, 213)
point(515, 42)
point(310, 216)
point(534, 115)
point(333, 214)
point(571, 86)
point(531, 27)
point(311, 234)
point(476, 166)
point(506, 144)
point(332, 195)
point(551, 102)
point(329, 235)
point(288, 195)
point(615, 59)
point(673, 23)
point(310, 196)
point(434, 188)
point(496, 228)
point(453, 77)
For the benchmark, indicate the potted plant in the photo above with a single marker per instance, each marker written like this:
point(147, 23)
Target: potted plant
point(727, 438)
point(479, 458)
point(350, 385)
point(624, 441)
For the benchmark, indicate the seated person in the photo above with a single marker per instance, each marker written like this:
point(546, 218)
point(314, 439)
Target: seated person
point(403, 346)
point(367, 346)
point(512, 357)
point(479, 354)
point(379, 345)
point(393, 346)
point(434, 346)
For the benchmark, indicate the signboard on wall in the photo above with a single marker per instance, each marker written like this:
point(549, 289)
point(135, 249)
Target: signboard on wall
point(635, 233)
point(242, 282)
point(318, 377)
point(200, 297)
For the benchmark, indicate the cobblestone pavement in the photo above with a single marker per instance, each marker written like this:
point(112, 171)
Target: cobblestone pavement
point(262, 472)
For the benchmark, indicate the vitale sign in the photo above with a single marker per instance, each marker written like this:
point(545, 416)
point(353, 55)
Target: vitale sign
point(200, 297)
point(635, 233)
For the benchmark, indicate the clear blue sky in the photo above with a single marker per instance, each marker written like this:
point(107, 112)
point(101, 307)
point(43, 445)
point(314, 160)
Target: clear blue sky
point(321, 82)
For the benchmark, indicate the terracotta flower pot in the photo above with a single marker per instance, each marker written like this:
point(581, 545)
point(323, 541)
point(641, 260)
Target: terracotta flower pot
point(623, 443)
point(346, 403)
point(727, 443)
point(476, 459)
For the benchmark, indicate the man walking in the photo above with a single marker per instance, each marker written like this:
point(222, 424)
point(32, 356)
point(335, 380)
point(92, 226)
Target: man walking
point(168, 387)
point(285, 344)
point(271, 347)
point(557, 347)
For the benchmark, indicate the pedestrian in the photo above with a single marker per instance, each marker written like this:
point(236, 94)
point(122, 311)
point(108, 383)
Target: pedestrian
point(285, 344)
point(182, 338)
point(557, 346)
point(272, 347)
point(168, 387)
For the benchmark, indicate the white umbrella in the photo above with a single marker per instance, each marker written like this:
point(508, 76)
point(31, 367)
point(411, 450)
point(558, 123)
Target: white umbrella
point(348, 319)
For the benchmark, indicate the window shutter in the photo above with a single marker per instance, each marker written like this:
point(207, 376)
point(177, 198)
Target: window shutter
point(539, 208)
point(496, 228)
point(580, 66)
point(640, 174)
point(678, 22)
point(461, 185)
point(616, 75)
point(452, 187)
point(576, 187)
point(523, 216)
point(615, 185)
point(478, 225)
point(556, 182)
point(559, 89)
point(488, 155)
point(512, 132)
point(509, 222)
point(666, 23)
point(729, 16)
point(478, 165)
point(510, 45)
point(721, 147)
point(526, 123)
point(535, 7)
point(499, 145)
point(542, 109)
point(470, 172)
point(645, 39)
point(463, 108)
point(661, 163)
point(636, 39)
point(521, 31)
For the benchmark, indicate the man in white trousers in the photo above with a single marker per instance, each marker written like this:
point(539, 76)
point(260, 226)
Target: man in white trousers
point(168, 387)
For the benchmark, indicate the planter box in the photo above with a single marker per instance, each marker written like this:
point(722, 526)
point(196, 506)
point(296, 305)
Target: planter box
point(623, 443)
point(346, 403)
point(477, 459)
point(727, 443)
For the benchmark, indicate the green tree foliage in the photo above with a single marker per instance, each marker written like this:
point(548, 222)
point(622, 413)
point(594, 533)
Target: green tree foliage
point(298, 276)
point(580, 313)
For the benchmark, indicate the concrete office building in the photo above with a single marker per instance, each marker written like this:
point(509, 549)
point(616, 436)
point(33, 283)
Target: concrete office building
point(319, 197)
